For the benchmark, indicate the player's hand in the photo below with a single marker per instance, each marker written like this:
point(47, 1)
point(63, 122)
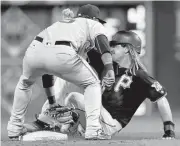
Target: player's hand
point(169, 134)
point(108, 79)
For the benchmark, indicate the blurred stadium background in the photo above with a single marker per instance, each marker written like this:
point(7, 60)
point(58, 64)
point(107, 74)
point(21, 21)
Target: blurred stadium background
point(157, 23)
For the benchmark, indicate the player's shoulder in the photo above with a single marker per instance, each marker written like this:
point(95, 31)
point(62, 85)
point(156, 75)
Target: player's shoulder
point(80, 19)
point(89, 21)
point(145, 76)
point(53, 25)
point(93, 23)
point(142, 73)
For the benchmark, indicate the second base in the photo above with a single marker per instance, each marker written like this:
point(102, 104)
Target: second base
point(44, 135)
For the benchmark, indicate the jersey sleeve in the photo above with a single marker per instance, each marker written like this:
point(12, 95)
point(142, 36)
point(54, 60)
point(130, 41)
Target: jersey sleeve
point(154, 89)
point(97, 29)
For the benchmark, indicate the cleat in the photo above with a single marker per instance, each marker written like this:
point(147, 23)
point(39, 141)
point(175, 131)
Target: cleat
point(15, 138)
point(98, 135)
point(36, 126)
point(39, 125)
point(19, 137)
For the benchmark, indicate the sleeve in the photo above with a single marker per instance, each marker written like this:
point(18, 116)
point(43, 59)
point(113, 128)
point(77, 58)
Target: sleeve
point(102, 44)
point(155, 90)
point(97, 29)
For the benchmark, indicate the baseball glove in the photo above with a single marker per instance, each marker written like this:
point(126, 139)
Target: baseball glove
point(63, 114)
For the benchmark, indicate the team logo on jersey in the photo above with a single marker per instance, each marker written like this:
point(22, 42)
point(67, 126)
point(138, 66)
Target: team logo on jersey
point(125, 82)
point(157, 86)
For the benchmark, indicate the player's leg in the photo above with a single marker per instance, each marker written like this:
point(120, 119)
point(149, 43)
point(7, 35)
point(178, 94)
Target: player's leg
point(82, 74)
point(62, 89)
point(76, 100)
point(22, 95)
point(110, 125)
point(63, 61)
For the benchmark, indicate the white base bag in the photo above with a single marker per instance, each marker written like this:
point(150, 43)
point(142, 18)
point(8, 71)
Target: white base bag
point(45, 136)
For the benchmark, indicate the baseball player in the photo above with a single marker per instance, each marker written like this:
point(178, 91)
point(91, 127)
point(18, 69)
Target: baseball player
point(133, 85)
point(55, 51)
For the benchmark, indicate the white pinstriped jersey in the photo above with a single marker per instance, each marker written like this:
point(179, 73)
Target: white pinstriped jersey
point(81, 32)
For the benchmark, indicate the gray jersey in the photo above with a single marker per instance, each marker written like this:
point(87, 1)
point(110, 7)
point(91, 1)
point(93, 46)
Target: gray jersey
point(81, 32)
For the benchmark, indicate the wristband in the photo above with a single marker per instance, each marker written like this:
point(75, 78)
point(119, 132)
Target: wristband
point(51, 99)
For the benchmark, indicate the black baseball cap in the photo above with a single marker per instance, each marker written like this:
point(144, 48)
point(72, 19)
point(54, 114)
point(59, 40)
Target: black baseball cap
point(91, 11)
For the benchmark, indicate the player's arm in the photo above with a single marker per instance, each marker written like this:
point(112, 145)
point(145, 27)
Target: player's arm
point(102, 45)
point(48, 85)
point(166, 116)
point(99, 36)
point(157, 94)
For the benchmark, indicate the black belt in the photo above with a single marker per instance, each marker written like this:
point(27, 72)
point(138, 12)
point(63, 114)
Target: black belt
point(67, 43)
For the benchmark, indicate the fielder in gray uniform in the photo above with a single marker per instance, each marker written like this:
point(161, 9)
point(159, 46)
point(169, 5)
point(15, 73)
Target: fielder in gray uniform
point(55, 51)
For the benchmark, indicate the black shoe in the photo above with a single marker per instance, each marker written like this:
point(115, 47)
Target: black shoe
point(39, 125)
point(15, 138)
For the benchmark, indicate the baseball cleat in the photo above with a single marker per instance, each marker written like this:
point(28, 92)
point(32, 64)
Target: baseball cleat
point(39, 125)
point(36, 126)
point(18, 137)
point(15, 138)
point(97, 135)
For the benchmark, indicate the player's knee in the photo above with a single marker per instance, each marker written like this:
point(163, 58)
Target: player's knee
point(47, 80)
point(95, 85)
point(70, 100)
point(25, 83)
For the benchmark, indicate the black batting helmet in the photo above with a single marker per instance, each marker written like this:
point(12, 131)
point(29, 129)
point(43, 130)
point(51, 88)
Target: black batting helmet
point(127, 37)
point(90, 11)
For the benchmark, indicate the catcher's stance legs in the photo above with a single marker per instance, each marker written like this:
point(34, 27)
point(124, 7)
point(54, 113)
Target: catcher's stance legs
point(61, 61)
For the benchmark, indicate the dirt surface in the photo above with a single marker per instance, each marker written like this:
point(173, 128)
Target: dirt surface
point(142, 131)
point(120, 140)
